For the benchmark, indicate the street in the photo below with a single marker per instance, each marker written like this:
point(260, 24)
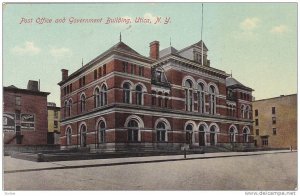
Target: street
point(277, 171)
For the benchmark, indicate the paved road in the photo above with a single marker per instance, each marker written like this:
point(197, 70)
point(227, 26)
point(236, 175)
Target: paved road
point(258, 172)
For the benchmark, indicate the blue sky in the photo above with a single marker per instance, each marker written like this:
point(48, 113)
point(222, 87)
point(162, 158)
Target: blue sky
point(256, 41)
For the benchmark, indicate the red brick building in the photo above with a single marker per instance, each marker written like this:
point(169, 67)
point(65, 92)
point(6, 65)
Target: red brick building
point(25, 115)
point(122, 100)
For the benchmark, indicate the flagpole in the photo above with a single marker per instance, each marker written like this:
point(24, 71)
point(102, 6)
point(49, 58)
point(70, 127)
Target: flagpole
point(201, 38)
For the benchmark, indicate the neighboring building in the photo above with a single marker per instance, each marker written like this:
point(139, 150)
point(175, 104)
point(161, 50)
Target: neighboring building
point(25, 115)
point(275, 122)
point(53, 123)
point(122, 100)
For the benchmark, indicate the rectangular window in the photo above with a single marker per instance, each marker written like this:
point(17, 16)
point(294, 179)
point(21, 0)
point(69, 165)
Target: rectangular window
point(274, 131)
point(70, 87)
point(256, 112)
point(257, 131)
point(55, 124)
point(140, 70)
point(18, 100)
point(55, 114)
point(166, 102)
point(95, 74)
point(83, 81)
point(65, 90)
point(265, 141)
point(80, 82)
point(256, 122)
point(100, 72)
point(273, 110)
point(125, 67)
point(104, 69)
point(131, 68)
point(273, 120)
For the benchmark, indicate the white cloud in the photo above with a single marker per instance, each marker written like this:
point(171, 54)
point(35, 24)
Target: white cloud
point(60, 52)
point(279, 29)
point(28, 48)
point(250, 24)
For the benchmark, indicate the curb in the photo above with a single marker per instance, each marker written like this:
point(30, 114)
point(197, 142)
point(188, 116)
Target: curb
point(135, 162)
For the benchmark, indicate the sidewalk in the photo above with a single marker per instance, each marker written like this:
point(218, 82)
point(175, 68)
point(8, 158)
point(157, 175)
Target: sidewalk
point(12, 165)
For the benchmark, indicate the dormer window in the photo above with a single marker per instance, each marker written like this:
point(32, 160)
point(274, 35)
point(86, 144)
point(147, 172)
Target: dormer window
point(158, 75)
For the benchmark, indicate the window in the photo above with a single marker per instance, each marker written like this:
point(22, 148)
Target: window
point(97, 97)
point(71, 88)
point(95, 74)
point(160, 101)
point(141, 71)
point(166, 102)
point(202, 135)
point(103, 95)
point(153, 98)
point(104, 69)
point(65, 88)
point(80, 82)
point(133, 131)
point(201, 98)
point(158, 76)
point(256, 122)
point(126, 93)
point(161, 132)
point(256, 112)
point(257, 131)
point(242, 111)
point(18, 100)
point(83, 80)
point(55, 124)
point(83, 135)
point(55, 114)
point(231, 135)
point(273, 120)
point(69, 107)
point(68, 89)
point(264, 141)
point(273, 110)
point(189, 134)
point(99, 72)
point(274, 131)
point(82, 103)
point(213, 135)
point(212, 101)
point(125, 67)
point(188, 95)
point(101, 132)
point(245, 135)
point(65, 108)
point(139, 95)
point(69, 136)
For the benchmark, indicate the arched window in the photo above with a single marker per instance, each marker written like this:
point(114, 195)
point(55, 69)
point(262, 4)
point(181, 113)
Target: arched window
point(83, 133)
point(242, 111)
point(126, 92)
point(212, 100)
point(97, 97)
point(101, 132)
point(231, 135)
point(161, 132)
point(82, 103)
point(188, 95)
point(69, 107)
point(133, 131)
point(213, 135)
point(189, 134)
point(139, 95)
point(103, 95)
point(201, 135)
point(245, 134)
point(69, 136)
point(201, 98)
point(247, 112)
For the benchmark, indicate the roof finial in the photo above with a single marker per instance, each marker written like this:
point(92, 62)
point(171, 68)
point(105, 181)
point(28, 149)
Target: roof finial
point(230, 73)
point(82, 62)
point(120, 37)
point(170, 41)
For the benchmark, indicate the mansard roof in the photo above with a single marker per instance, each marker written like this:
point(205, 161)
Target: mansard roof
point(122, 46)
point(198, 44)
point(233, 83)
point(167, 51)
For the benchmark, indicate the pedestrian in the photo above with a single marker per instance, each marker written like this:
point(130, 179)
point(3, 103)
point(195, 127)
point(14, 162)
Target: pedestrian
point(291, 148)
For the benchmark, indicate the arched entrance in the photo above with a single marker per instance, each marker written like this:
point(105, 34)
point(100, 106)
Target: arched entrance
point(189, 134)
point(202, 135)
point(212, 135)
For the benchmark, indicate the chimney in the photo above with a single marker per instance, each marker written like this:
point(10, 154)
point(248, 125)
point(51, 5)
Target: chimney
point(33, 85)
point(154, 50)
point(64, 74)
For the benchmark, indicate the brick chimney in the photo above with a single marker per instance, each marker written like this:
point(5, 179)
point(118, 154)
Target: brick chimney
point(64, 74)
point(154, 50)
